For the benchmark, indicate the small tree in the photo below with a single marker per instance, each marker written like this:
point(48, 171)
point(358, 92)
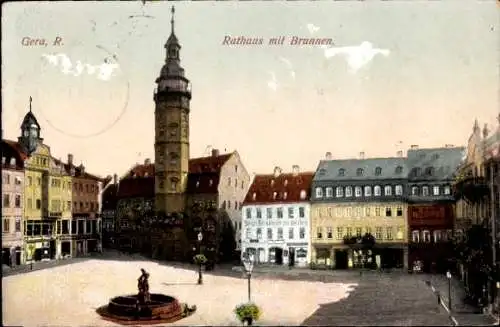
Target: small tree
point(200, 259)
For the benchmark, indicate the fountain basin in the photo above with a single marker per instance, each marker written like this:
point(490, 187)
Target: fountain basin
point(123, 309)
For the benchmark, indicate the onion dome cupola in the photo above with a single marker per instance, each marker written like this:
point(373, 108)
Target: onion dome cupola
point(172, 79)
point(30, 132)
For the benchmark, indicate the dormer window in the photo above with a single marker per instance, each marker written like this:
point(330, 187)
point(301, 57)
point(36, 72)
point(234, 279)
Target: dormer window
point(359, 172)
point(341, 172)
point(378, 171)
point(399, 170)
point(429, 171)
point(322, 172)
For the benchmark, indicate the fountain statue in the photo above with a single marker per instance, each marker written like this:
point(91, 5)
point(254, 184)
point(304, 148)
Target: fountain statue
point(144, 307)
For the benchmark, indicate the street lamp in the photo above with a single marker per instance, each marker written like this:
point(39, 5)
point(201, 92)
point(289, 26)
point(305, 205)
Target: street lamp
point(200, 277)
point(448, 275)
point(248, 262)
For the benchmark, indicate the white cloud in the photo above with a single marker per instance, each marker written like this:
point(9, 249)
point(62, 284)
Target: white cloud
point(104, 71)
point(356, 56)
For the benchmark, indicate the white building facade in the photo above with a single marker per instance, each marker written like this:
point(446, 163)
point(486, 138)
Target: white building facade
point(276, 224)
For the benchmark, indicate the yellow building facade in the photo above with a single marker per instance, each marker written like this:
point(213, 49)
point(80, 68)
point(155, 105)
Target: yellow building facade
point(332, 223)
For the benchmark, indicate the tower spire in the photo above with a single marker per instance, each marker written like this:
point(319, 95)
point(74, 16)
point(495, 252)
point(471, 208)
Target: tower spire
point(172, 19)
point(30, 102)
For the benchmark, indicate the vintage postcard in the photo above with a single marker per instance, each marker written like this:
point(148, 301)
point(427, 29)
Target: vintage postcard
point(250, 163)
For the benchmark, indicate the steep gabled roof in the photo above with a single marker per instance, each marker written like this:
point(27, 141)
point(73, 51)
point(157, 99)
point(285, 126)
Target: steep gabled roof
point(284, 188)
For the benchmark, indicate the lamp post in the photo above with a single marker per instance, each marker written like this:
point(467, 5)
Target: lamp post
point(248, 262)
point(200, 277)
point(448, 275)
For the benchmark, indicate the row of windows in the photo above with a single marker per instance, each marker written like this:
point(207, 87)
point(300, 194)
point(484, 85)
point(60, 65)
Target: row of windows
point(57, 205)
point(340, 212)
point(425, 236)
point(284, 195)
point(279, 235)
point(381, 233)
point(436, 190)
point(360, 171)
point(227, 205)
point(6, 179)
point(12, 161)
point(358, 191)
point(7, 200)
point(278, 213)
point(347, 191)
point(37, 228)
point(229, 181)
point(6, 224)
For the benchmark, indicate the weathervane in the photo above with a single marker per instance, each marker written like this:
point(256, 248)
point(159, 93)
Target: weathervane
point(30, 102)
point(172, 20)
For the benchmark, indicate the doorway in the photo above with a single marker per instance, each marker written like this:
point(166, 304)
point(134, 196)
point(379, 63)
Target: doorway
point(291, 257)
point(341, 259)
point(6, 257)
point(18, 255)
point(52, 249)
point(279, 256)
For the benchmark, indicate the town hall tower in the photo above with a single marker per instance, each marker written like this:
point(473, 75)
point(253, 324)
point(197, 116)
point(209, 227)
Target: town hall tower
point(172, 100)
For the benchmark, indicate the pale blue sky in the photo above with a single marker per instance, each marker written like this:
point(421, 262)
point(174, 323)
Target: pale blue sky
point(441, 73)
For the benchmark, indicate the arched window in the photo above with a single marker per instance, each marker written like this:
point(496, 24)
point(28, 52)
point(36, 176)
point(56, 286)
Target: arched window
point(388, 190)
point(377, 190)
point(414, 190)
point(399, 190)
point(359, 172)
point(399, 170)
point(368, 191)
point(429, 171)
point(303, 194)
point(341, 172)
point(358, 191)
point(329, 192)
point(339, 192)
point(348, 191)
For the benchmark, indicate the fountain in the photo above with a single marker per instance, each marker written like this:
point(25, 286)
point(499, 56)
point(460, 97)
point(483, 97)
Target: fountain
point(144, 307)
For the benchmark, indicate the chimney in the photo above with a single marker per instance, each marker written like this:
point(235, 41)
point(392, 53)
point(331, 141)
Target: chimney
point(277, 171)
point(82, 169)
point(361, 155)
point(115, 179)
point(70, 159)
point(215, 152)
point(147, 162)
point(328, 156)
point(295, 170)
point(414, 147)
point(399, 154)
point(448, 146)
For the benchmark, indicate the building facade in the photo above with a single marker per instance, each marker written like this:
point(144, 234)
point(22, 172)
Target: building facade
point(12, 205)
point(108, 212)
point(275, 225)
point(84, 207)
point(354, 197)
point(431, 205)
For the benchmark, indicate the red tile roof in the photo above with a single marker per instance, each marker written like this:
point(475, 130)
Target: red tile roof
point(266, 186)
point(16, 147)
point(208, 164)
point(141, 170)
point(203, 183)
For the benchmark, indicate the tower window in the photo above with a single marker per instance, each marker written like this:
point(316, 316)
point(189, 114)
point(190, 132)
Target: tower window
point(173, 184)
